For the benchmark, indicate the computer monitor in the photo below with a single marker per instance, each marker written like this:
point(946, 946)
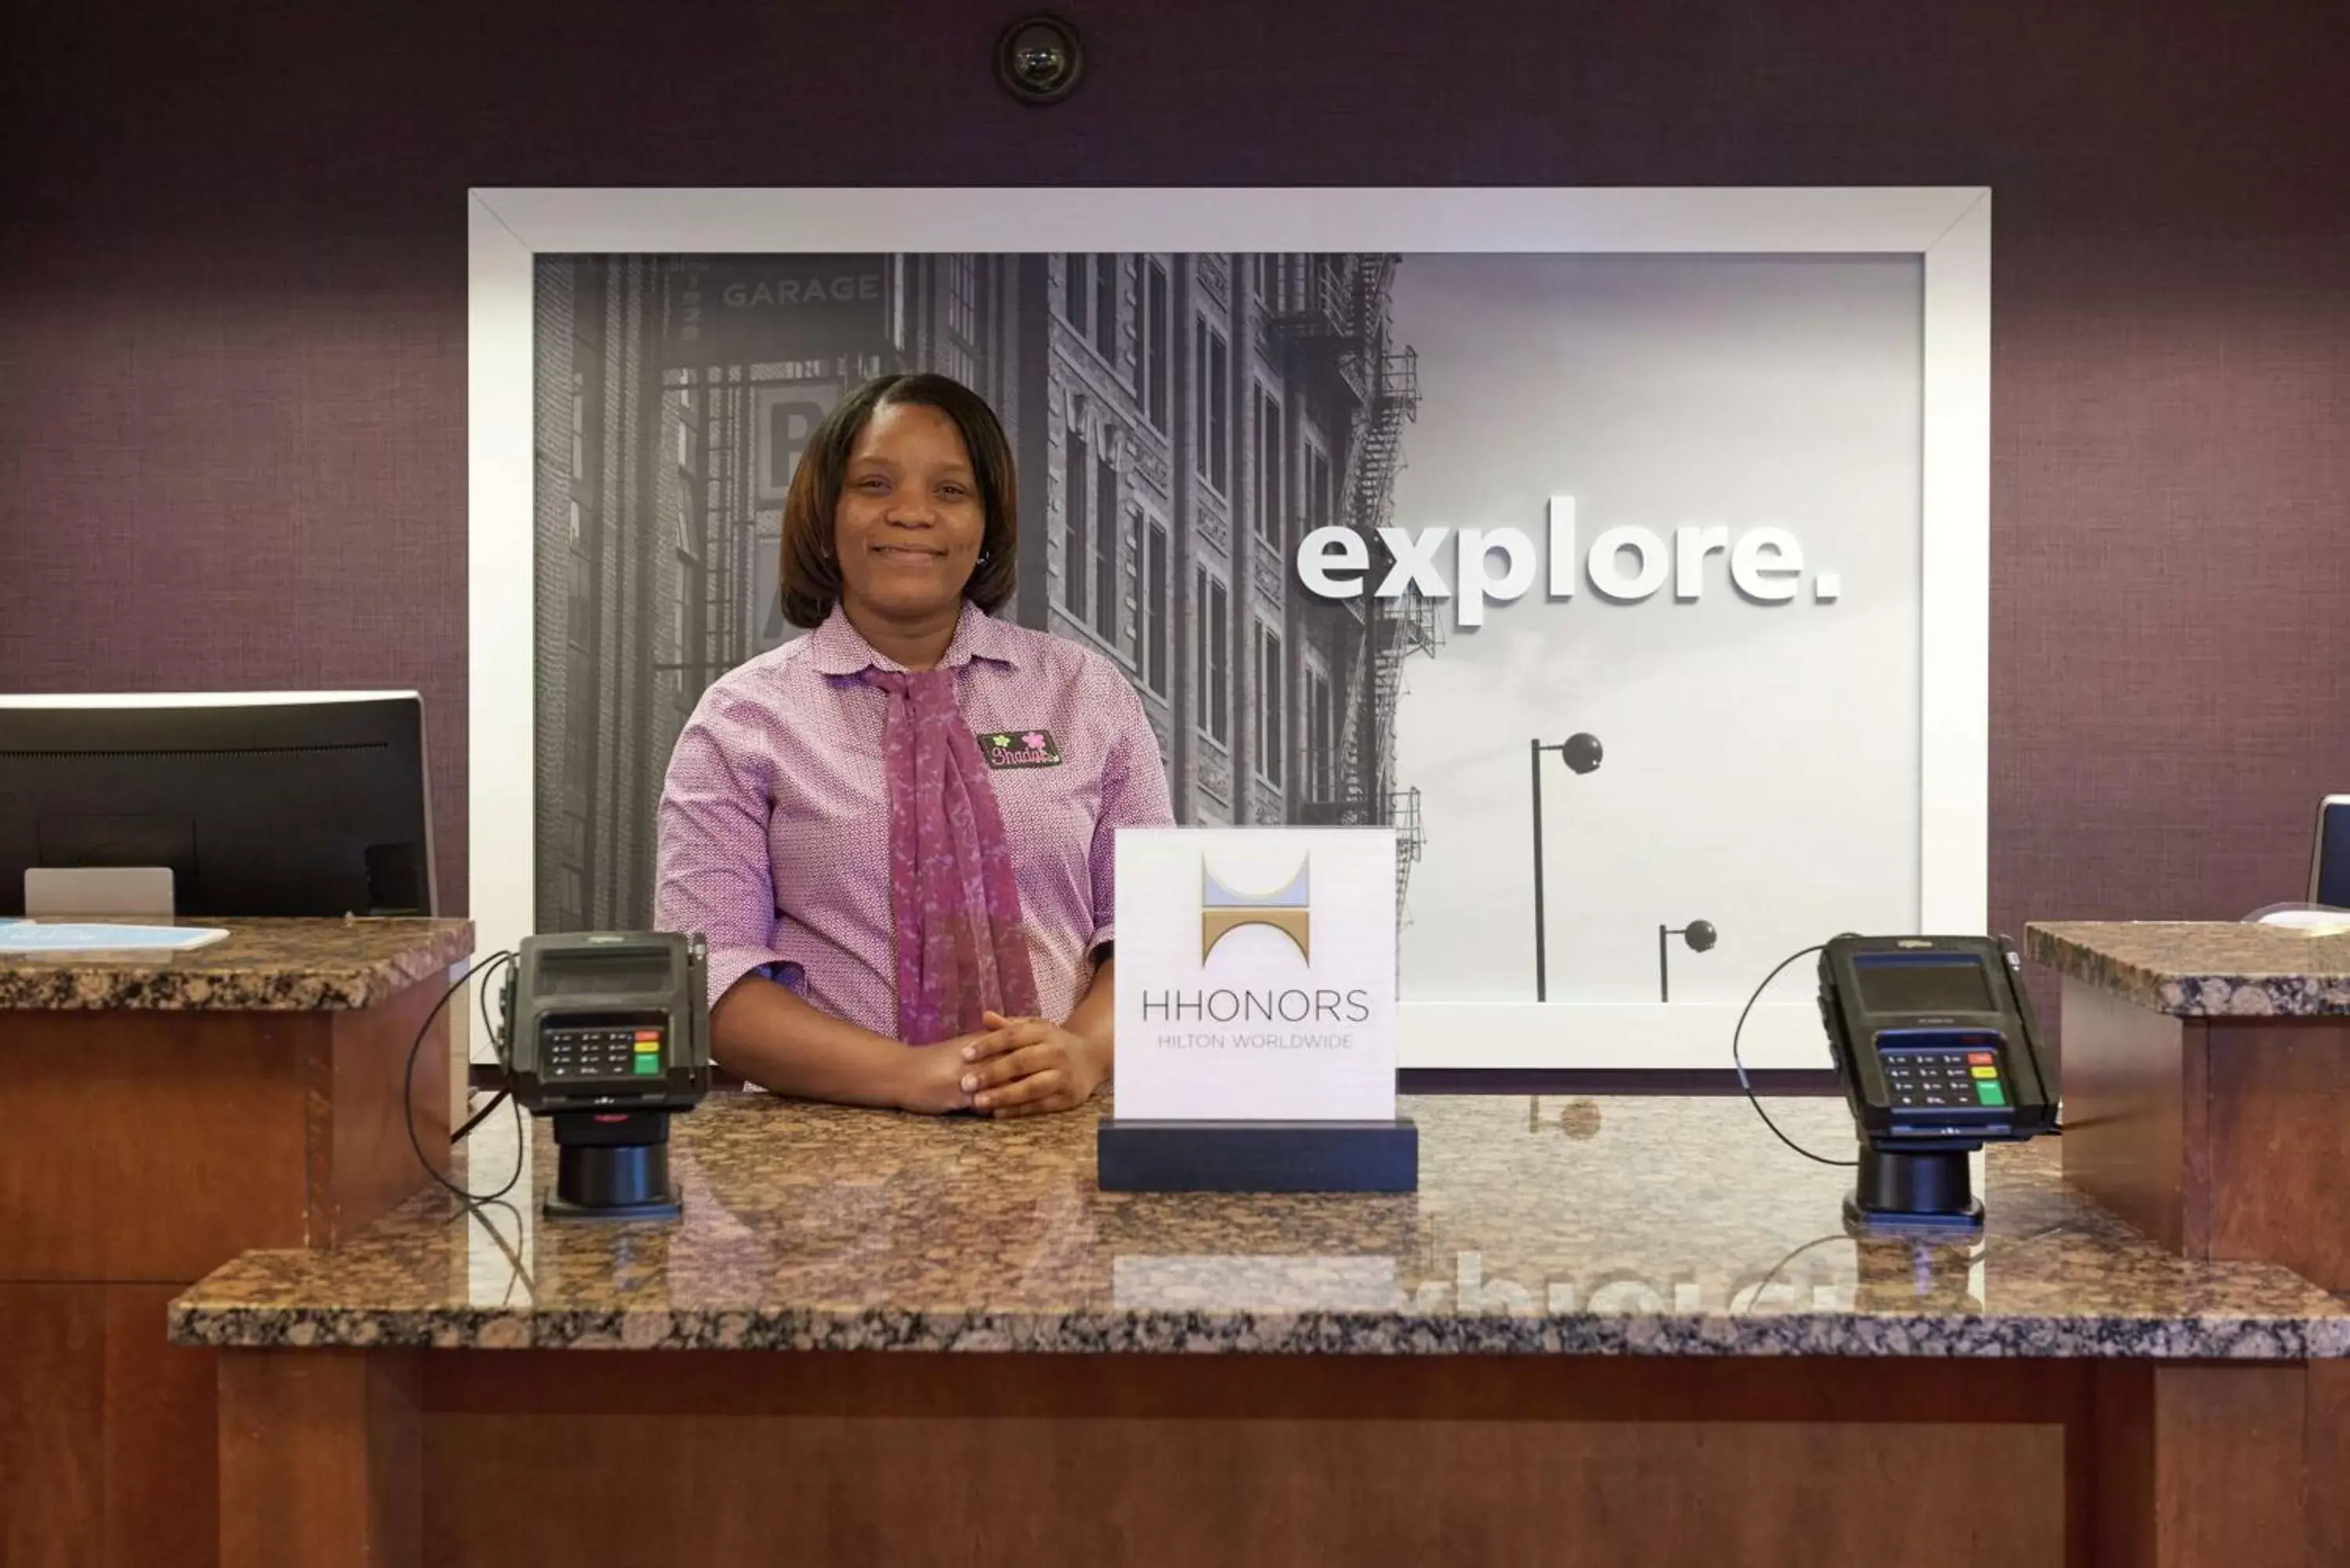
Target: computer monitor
point(2329, 858)
point(297, 803)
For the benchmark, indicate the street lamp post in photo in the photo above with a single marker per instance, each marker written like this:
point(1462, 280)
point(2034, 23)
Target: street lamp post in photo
point(1700, 935)
point(1581, 753)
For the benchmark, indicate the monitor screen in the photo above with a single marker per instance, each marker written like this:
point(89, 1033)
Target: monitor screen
point(2330, 883)
point(1894, 983)
point(259, 804)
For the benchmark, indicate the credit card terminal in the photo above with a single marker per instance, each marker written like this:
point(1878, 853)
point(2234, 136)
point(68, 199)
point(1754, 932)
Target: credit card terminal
point(1935, 1041)
point(609, 1037)
point(607, 1021)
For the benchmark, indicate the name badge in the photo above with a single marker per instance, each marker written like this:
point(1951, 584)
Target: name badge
point(1020, 748)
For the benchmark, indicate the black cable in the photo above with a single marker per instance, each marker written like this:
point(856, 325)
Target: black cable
point(1741, 1065)
point(478, 1117)
point(408, 1094)
point(482, 1003)
point(499, 1045)
point(477, 1211)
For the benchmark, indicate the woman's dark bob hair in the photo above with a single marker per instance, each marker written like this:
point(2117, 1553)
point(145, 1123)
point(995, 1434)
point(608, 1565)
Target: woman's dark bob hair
point(810, 574)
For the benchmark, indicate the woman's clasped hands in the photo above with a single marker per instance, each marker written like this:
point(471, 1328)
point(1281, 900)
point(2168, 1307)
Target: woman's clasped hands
point(1023, 1066)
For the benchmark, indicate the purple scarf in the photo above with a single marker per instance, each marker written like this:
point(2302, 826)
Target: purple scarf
point(962, 947)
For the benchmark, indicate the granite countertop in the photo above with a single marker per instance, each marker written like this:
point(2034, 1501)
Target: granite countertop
point(1615, 1226)
point(2203, 969)
point(273, 966)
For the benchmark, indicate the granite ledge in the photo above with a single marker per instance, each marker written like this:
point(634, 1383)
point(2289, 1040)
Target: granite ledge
point(1829, 1334)
point(1543, 1226)
point(264, 965)
point(2202, 970)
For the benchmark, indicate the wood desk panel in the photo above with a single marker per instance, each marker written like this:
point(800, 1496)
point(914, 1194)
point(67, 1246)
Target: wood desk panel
point(52, 1453)
point(152, 1146)
point(146, 1147)
point(199, 1136)
point(162, 1474)
point(976, 1460)
point(362, 1163)
point(2277, 1171)
point(107, 1432)
point(1577, 1494)
point(2133, 1110)
point(2221, 1137)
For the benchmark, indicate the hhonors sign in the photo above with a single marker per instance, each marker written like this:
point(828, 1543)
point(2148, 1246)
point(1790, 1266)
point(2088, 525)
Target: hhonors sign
point(1256, 974)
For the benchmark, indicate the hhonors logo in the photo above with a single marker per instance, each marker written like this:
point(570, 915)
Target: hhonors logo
point(1288, 910)
point(1020, 748)
point(1224, 910)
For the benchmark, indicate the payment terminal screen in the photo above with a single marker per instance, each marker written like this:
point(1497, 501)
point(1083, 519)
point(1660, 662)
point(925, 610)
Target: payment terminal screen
point(1894, 983)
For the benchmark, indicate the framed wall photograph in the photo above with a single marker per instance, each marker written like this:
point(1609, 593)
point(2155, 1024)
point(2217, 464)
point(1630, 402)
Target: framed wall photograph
point(1651, 525)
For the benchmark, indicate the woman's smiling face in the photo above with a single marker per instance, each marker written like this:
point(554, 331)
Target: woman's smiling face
point(909, 523)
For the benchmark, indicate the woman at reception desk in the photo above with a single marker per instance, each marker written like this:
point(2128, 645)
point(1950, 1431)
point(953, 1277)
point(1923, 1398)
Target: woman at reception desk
point(897, 832)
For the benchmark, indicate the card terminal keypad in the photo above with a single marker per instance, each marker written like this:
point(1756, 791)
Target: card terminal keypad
point(1950, 1072)
point(602, 1052)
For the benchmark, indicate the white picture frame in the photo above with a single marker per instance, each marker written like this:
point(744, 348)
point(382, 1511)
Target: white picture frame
point(1947, 228)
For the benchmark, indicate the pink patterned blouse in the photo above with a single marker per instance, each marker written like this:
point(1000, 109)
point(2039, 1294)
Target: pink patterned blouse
point(774, 818)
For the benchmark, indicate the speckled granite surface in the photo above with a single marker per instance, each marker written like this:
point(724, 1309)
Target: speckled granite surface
point(2202, 970)
point(272, 966)
point(1543, 1226)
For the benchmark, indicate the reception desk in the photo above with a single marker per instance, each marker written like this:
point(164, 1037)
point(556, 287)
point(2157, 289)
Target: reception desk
point(1610, 1331)
point(163, 1116)
point(2207, 1086)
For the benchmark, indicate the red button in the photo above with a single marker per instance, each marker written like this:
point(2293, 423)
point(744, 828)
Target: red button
point(1979, 1059)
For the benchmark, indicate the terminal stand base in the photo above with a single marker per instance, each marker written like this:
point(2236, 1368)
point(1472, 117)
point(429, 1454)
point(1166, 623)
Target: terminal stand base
point(1911, 1190)
point(612, 1168)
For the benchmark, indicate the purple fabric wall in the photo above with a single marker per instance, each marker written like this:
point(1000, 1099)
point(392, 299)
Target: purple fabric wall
point(231, 313)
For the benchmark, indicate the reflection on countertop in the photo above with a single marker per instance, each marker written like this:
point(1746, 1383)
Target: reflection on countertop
point(263, 965)
point(2202, 969)
point(1611, 1226)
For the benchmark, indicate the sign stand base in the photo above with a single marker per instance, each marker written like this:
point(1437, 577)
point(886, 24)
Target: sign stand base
point(1257, 1157)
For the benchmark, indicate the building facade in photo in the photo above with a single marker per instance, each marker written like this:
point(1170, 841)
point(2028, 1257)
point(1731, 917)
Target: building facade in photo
point(1179, 421)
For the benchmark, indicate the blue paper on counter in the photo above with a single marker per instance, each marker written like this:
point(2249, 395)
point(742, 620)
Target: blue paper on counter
point(37, 936)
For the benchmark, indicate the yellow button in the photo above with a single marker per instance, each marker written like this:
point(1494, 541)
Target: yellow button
point(1986, 1072)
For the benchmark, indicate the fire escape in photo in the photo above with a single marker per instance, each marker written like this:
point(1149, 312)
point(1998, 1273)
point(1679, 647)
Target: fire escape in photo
point(1330, 316)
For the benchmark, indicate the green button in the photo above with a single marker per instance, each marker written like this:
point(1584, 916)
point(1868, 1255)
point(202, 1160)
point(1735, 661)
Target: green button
point(1990, 1094)
point(649, 1064)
